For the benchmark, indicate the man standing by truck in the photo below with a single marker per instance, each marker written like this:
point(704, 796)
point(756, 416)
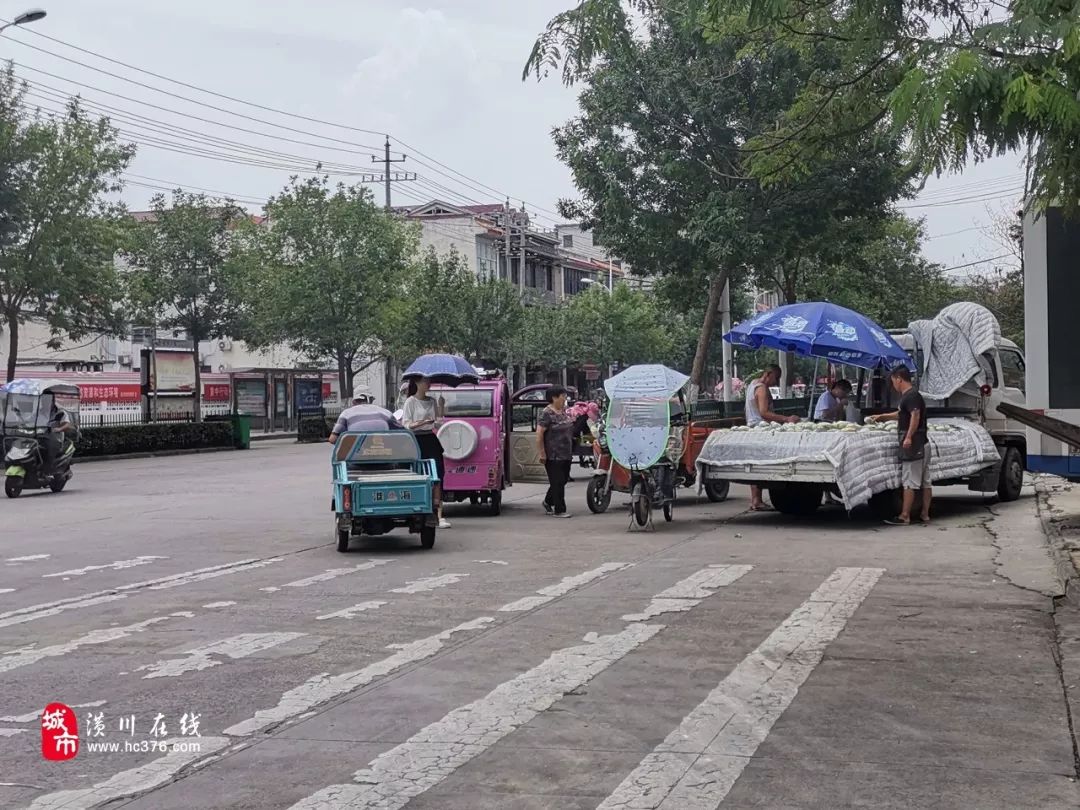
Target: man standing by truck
point(914, 453)
point(759, 409)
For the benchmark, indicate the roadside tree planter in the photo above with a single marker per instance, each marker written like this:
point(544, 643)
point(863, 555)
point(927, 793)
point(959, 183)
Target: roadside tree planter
point(155, 438)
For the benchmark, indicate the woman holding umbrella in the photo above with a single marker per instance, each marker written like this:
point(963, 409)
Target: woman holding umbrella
point(423, 414)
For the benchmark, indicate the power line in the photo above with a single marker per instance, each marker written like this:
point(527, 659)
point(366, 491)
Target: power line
point(965, 200)
point(263, 107)
point(981, 261)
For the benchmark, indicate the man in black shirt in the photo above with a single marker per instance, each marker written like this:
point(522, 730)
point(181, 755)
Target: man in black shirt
point(914, 452)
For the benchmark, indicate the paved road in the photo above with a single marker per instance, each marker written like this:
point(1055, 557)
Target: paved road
point(725, 660)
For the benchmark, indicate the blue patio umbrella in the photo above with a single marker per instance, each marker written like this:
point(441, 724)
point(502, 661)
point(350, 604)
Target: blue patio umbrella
point(445, 369)
point(821, 329)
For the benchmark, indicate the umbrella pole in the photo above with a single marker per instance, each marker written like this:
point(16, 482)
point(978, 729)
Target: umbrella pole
point(813, 385)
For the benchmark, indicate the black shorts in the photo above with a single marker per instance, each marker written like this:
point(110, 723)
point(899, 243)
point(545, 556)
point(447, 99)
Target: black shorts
point(431, 447)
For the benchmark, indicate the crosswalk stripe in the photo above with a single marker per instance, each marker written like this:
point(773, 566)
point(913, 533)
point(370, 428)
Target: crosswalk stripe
point(564, 586)
point(431, 755)
point(699, 762)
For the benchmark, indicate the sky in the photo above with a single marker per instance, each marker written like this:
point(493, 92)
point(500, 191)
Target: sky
point(442, 78)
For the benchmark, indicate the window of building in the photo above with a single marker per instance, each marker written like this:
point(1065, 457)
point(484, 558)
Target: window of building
point(568, 240)
point(1012, 369)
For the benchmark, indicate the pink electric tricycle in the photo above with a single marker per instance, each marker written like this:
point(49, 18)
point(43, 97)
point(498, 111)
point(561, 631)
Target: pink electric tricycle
point(475, 435)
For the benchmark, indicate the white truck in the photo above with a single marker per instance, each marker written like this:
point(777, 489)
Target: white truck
point(972, 443)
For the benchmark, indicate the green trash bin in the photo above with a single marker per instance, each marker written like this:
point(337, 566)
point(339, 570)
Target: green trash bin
point(241, 431)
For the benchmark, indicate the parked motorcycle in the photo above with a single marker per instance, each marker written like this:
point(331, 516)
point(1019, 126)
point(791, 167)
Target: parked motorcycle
point(33, 411)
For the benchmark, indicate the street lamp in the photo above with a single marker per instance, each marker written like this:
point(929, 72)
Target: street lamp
point(592, 281)
point(29, 16)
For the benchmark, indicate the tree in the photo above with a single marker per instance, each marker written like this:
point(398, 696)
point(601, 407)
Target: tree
point(323, 278)
point(960, 80)
point(625, 326)
point(443, 306)
point(179, 259)
point(657, 151)
point(58, 232)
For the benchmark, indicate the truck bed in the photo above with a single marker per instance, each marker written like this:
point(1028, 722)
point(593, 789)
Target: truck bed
point(860, 464)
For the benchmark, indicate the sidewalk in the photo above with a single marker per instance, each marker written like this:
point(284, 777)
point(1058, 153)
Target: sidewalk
point(1059, 511)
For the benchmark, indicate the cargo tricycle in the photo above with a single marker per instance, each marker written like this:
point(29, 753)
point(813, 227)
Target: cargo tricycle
point(381, 483)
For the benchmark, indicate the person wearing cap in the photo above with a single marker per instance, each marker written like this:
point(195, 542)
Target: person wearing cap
point(363, 416)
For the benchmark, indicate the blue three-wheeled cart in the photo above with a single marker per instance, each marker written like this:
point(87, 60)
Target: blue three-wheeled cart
point(380, 482)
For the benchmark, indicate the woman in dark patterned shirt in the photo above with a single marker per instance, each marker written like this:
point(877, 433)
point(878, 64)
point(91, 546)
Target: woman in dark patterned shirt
point(555, 440)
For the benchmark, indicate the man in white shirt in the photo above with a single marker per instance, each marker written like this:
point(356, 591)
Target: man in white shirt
point(832, 404)
point(363, 417)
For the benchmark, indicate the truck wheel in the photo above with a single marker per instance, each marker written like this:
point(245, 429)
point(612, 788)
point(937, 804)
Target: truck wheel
point(1011, 480)
point(427, 536)
point(717, 491)
point(495, 503)
point(797, 499)
point(597, 498)
point(886, 505)
point(343, 540)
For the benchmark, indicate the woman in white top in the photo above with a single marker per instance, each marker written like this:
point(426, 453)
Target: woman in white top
point(423, 415)
point(758, 410)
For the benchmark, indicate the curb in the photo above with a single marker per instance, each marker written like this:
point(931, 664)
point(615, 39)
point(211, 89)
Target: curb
point(1055, 540)
point(159, 454)
point(271, 437)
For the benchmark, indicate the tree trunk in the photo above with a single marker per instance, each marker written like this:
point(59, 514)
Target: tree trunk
point(343, 380)
point(712, 310)
point(13, 345)
point(196, 400)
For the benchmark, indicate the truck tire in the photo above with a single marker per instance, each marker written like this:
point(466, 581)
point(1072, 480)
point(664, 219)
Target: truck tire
point(797, 499)
point(717, 491)
point(1011, 480)
point(343, 536)
point(427, 537)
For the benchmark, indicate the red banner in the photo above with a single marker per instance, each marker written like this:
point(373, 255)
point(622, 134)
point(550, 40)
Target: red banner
point(110, 392)
point(326, 392)
point(217, 392)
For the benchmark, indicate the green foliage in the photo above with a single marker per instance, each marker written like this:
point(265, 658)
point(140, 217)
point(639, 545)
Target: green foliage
point(669, 148)
point(442, 306)
point(153, 438)
point(322, 278)
point(178, 261)
point(58, 231)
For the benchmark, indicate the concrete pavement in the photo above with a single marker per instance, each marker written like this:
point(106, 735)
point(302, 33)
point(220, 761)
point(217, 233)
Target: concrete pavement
point(723, 660)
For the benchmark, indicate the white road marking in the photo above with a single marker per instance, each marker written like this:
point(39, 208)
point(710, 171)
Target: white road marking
point(271, 589)
point(351, 612)
point(24, 656)
point(34, 612)
point(698, 763)
point(684, 595)
point(11, 732)
point(236, 647)
point(563, 587)
point(213, 605)
point(28, 558)
point(429, 583)
point(491, 562)
point(115, 566)
point(32, 716)
point(138, 780)
point(333, 573)
point(7, 590)
point(435, 752)
point(321, 688)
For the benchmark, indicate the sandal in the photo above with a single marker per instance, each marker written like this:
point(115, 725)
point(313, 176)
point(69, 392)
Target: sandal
point(762, 508)
point(897, 522)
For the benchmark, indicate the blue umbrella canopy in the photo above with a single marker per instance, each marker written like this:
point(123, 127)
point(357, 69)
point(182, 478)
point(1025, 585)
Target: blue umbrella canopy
point(35, 387)
point(821, 329)
point(445, 369)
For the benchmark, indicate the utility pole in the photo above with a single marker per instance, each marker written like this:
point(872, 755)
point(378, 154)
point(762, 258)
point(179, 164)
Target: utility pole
point(388, 177)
